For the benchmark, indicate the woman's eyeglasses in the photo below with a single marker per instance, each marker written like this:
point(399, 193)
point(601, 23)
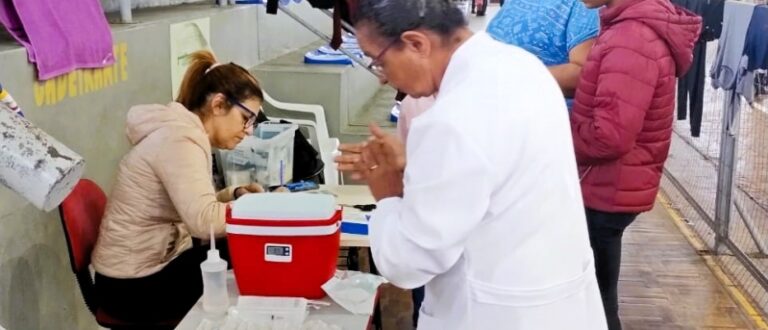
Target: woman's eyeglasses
point(250, 115)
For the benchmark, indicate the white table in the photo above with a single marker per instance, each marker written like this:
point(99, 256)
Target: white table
point(351, 195)
point(333, 314)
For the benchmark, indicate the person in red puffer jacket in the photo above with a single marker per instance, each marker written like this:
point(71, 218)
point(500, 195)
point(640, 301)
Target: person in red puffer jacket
point(622, 121)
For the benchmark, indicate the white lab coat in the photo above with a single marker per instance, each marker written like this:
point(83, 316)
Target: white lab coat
point(491, 218)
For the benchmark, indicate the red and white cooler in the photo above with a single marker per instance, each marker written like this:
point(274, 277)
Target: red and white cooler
point(284, 244)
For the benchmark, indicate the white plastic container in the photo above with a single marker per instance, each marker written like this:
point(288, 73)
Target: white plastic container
point(215, 294)
point(273, 312)
point(266, 157)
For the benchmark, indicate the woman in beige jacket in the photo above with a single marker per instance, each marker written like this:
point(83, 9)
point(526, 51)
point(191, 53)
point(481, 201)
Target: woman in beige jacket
point(147, 270)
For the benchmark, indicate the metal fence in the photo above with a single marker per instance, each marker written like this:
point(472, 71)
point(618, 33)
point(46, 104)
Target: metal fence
point(719, 183)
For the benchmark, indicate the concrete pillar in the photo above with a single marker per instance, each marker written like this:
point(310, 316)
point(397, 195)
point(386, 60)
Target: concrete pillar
point(126, 13)
point(34, 164)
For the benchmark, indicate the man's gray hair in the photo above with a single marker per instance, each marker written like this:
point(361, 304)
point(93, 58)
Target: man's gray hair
point(391, 18)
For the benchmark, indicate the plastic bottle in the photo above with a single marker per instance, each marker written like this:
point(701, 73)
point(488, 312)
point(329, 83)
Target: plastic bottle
point(215, 295)
point(7, 100)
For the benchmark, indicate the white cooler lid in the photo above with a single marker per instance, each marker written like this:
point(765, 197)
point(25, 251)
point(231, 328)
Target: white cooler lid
point(284, 206)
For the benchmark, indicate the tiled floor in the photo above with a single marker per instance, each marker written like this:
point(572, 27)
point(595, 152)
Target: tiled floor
point(665, 284)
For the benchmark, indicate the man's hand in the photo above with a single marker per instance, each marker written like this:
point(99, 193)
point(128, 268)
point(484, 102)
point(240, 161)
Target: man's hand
point(392, 147)
point(382, 162)
point(350, 155)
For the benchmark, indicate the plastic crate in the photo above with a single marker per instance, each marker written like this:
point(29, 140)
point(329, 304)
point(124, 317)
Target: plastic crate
point(266, 157)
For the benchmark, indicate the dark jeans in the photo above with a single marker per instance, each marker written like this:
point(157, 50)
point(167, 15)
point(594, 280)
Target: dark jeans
point(417, 295)
point(605, 232)
point(163, 297)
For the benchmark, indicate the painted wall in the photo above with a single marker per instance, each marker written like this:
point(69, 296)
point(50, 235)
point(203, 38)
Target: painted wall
point(86, 111)
point(113, 5)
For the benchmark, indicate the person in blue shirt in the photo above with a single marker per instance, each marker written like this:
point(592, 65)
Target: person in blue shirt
point(559, 32)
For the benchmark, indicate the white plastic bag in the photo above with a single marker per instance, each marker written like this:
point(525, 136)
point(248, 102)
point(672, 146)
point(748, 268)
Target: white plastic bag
point(268, 313)
point(355, 291)
point(272, 313)
point(319, 325)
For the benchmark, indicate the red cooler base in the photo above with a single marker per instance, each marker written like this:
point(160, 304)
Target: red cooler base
point(308, 262)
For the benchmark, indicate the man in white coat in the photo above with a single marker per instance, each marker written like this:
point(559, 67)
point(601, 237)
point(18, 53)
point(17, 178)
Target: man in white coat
point(485, 208)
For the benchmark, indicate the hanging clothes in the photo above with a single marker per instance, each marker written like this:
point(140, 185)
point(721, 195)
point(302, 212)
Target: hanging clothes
point(755, 54)
point(756, 42)
point(60, 36)
point(712, 19)
point(690, 87)
point(729, 70)
point(725, 69)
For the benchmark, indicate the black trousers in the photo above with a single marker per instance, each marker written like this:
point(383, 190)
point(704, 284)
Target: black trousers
point(605, 232)
point(417, 295)
point(690, 87)
point(165, 296)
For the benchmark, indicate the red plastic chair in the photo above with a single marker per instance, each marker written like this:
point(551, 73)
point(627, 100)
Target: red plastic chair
point(81, 214)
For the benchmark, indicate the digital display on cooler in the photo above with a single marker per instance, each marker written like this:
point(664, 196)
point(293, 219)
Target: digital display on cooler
point(278, 250)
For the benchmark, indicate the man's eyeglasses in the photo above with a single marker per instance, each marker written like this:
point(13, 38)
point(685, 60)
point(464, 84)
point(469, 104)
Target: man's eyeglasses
point(376, 62)
point(250, 115)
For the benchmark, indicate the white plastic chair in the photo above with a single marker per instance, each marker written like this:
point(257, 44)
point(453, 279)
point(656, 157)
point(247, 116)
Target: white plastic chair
point(328, 147)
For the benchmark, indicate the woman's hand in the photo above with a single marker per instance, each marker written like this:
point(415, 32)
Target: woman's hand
point(281, 189)
point(248, 189)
